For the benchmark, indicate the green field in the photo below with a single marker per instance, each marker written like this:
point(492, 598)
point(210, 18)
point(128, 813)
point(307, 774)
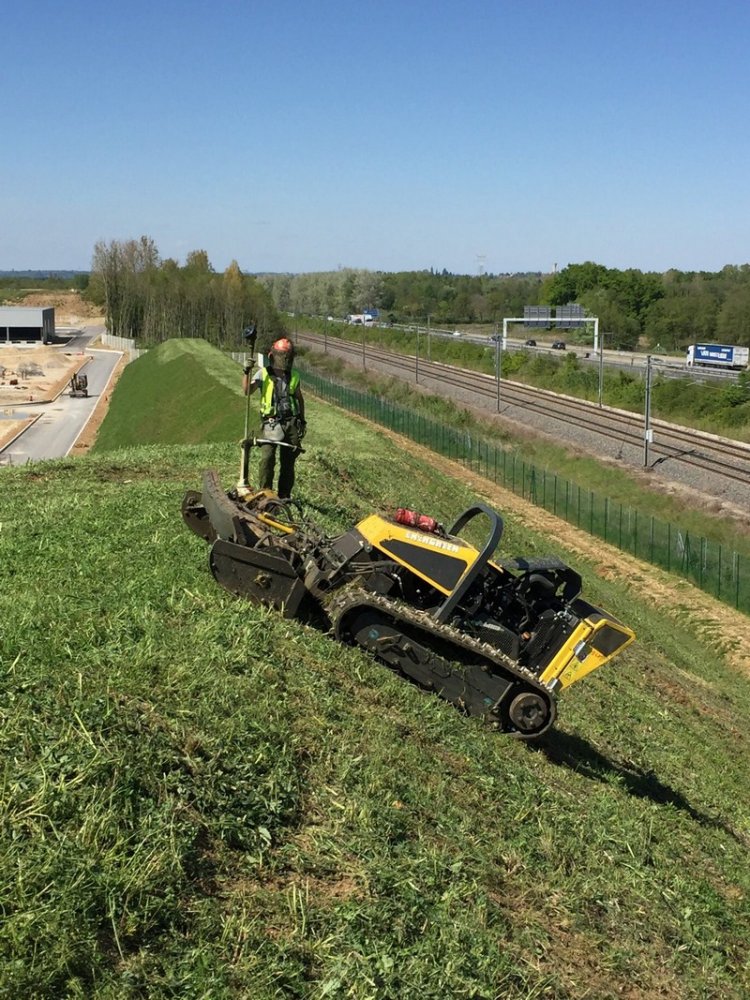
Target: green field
point(203, 800)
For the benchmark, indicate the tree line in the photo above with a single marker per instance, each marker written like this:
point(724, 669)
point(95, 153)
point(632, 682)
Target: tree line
point(151, 299)
point(404, 295)
point(669, 310)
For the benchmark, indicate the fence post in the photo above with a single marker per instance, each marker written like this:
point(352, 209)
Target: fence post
point(606, 517)
point(669, 546)
point(737, 580)
point(651, 539)
point(718, 589)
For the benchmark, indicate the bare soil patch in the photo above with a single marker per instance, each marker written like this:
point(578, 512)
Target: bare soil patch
point(35, 374)
point(70, 308)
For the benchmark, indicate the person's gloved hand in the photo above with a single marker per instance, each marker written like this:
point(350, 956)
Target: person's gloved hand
point(247, 369)
point(301, 427)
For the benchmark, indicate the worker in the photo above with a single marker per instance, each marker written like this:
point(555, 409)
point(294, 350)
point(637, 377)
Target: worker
point(282, 415)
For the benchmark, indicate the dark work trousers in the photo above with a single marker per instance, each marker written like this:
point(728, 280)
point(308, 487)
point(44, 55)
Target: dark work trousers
point(287, 458)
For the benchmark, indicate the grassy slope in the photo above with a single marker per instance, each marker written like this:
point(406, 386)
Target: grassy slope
point(203, 800)
point(183, 392)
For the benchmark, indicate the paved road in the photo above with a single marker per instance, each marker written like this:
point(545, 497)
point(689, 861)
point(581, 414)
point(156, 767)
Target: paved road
point(60, 422)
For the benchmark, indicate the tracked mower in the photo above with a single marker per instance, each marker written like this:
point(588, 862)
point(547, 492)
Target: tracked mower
point(498, 639)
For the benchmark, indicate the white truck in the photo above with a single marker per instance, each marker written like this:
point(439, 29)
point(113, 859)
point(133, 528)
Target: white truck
point(362, 319)
point(717, 356)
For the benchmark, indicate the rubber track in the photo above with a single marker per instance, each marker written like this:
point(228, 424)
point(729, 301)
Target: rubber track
point(352, 597)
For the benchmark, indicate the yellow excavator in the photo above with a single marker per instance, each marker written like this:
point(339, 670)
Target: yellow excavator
point(79, 385)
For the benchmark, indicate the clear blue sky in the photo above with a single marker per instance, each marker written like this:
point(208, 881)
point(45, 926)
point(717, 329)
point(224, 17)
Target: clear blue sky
point(302, 136)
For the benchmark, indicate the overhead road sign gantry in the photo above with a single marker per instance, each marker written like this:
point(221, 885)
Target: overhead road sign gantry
point(565, 321)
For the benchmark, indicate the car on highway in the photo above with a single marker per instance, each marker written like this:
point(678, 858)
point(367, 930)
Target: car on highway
point(558, 345)
point(529, 343)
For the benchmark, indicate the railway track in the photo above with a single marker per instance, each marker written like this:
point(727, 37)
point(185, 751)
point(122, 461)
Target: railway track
point(671, 448)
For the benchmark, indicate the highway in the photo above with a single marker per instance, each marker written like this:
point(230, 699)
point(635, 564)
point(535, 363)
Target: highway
point(62, 420)
point(665, 365)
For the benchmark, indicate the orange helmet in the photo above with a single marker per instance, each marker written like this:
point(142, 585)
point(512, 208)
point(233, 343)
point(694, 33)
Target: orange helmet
point(282, 353)
point(284, 345)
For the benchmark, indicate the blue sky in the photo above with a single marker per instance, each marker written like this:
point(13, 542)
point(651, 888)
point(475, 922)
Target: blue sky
point(304, 136)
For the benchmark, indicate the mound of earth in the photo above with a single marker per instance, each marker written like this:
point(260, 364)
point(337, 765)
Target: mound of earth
point(70, 308)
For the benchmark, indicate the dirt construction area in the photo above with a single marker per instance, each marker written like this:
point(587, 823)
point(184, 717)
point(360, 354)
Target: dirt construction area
point(30, 375)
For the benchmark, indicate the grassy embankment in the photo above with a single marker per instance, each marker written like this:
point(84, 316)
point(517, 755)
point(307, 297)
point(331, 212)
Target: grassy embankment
point(718, 409)
point(201, 799)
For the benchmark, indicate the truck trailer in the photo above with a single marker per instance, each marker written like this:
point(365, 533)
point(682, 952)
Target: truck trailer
point(717, 356)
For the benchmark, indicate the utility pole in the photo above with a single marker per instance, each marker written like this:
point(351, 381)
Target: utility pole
point(648, 434)
point(498, 368)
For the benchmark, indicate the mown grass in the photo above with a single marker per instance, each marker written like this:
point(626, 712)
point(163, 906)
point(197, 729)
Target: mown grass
point(181, 392)
point(201, 799)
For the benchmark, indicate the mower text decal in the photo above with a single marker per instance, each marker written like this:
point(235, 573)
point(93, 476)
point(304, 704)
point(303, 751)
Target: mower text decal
point(436, 543)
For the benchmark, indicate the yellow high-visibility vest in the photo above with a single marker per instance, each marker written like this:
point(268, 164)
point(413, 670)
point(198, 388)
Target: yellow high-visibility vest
point(267, 408)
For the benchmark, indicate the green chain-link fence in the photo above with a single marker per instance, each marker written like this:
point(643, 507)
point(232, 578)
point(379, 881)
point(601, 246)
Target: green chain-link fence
point(725, 574)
